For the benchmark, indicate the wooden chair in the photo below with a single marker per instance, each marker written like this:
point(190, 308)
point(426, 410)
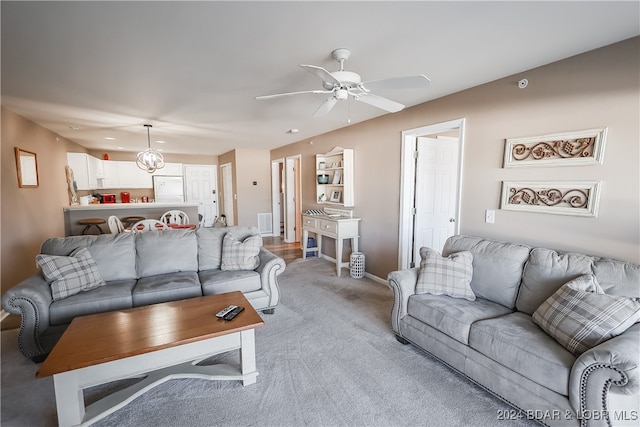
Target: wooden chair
point(115, 225)
point(128, 221)
point(175, 217)
point(148, 225)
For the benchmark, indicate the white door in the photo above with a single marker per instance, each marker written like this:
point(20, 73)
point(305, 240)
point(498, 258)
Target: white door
point(201, 186)
point(436, 192)
point(227, 192)
point(292, 209)
point(276, 195)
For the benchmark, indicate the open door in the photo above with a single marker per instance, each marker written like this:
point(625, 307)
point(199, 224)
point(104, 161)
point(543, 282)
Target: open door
point(293, 200)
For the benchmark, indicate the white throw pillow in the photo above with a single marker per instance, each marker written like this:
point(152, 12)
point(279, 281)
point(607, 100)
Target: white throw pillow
point(580, 315)
point(69, 275)
point(237, 255)
point(446, 276)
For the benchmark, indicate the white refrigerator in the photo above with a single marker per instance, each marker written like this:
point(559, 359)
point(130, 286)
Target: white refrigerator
point(168, 189)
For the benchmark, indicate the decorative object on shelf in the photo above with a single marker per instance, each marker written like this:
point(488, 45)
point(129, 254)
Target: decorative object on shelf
point(150, 160)
point(322, 198)
point(337, 177)
point(321, 165)
point(335, 196)
point(563, 198)
point(27, 167)
point(323, 179)
point(562, 149)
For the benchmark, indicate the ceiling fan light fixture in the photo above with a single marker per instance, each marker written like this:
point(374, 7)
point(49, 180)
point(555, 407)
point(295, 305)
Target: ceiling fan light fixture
point(149, 160)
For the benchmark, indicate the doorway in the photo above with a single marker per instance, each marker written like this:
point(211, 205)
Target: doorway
point(431, 185)
point(286, 197)
point(202, 188)
point(227, 193)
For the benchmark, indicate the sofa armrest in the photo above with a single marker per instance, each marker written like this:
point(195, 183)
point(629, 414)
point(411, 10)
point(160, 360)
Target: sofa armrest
point(270, 267)
point(612, 366)
point(403, 285)
point(31, 299)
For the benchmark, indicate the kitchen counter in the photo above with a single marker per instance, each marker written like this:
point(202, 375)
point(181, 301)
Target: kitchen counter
point(72, 214)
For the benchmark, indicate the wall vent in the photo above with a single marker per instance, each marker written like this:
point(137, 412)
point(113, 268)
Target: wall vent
point(265, 223)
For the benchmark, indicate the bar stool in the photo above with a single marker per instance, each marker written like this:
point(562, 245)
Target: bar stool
point(128, 221)
point(92, 222)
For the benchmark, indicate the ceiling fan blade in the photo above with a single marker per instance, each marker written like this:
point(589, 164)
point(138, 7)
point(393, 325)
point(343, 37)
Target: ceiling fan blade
point(380, 102)
point(325, 107)
point(292, 93)
point(409, 82)
point(322, 73)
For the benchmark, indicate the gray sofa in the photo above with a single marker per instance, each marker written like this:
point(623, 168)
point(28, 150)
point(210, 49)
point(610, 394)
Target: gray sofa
point(494, 341)
point(139, 269)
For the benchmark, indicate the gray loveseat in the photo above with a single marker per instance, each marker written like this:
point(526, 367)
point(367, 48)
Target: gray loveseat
point(139, 269)
point(495, 342)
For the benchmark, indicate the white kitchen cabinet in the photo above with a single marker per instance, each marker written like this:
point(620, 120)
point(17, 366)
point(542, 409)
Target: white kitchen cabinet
point(170, 169)
point(87, 170)
point(125, 174)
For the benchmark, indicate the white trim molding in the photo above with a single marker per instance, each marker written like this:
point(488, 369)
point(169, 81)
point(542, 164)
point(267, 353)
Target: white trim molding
point(578, 148)
point(552, 197)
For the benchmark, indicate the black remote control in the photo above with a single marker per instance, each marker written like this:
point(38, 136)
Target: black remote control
point(233, 313)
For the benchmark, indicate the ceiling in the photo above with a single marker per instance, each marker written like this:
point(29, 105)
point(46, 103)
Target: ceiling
point(95, 70)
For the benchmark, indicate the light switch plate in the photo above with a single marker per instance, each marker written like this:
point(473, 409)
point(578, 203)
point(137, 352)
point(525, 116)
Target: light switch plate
point(490, 216)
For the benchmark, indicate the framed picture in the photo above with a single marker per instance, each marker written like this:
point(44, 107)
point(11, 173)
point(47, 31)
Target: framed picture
point(555, 197)
point(337, 177)
point(335, 196)
point(561, 149)
point(27, 166)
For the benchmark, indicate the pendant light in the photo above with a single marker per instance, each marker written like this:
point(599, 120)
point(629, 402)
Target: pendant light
point(150, 160)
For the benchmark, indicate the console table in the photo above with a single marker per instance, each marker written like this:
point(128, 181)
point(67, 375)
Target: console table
point(337, 226)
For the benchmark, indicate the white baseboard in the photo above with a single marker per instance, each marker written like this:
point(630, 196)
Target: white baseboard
point(375, 278)
point(3, 315)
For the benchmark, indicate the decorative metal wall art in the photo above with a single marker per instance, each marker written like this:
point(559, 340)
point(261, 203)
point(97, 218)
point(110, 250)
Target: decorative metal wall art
point(562, 149)
point(563, 198)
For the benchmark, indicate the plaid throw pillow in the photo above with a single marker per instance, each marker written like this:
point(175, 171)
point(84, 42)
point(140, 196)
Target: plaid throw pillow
point(237, 255)
point(68, 275)
point(580, 315)
point(446, 276)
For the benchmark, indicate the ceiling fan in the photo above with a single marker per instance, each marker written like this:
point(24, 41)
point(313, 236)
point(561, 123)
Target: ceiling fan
point(342, 84)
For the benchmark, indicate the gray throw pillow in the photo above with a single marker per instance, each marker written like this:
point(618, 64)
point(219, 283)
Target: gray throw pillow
point(240, 255)
point(580, 315)
point(68, 275)
point(446, 276)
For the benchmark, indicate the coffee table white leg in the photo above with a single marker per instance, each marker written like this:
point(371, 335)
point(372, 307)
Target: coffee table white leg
point(69, 399)
point(248, 356)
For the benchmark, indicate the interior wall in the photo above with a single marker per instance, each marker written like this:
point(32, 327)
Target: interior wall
point(30, 215)
point(252, 166)
point(572, 94)
point(228, 157)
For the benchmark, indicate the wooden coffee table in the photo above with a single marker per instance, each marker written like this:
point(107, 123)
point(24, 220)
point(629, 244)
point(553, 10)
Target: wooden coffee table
point(160, 341)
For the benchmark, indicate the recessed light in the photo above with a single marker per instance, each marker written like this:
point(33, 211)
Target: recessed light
point(120, 148)
point(161, 142)
point(74, 127)
point(159, 149)
point(110, 138)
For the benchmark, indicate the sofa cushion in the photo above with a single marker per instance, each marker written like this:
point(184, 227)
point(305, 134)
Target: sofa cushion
point(166, 251)
point(210, 244)
point(452, 316)
point(68, 275)
point(497, 266)
point(106, 249)
point(166, 287)
point(517, 343)
point(580, 315)
point(547, 270)
point(115, 295)
point(218, 281)
point(445, 276)
point(617, 277)
point(240, 254)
